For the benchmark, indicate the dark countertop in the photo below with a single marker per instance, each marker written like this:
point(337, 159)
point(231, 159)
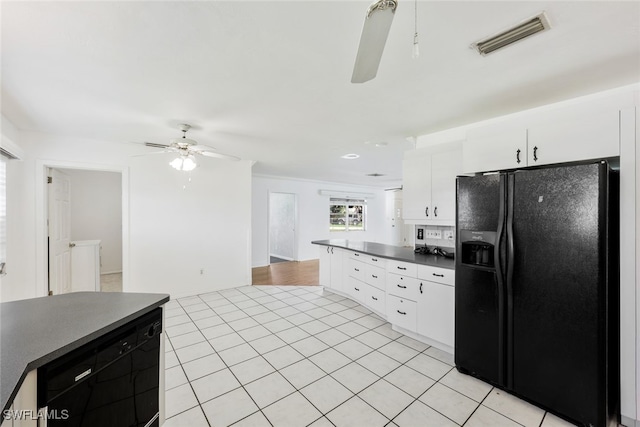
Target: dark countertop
point(397, 253)
point(36, 331)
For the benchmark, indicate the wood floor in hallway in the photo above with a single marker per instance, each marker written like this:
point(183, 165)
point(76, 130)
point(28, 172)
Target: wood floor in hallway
point(288, 273)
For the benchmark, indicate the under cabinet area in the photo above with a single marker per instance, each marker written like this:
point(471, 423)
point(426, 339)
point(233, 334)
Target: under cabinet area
point(428, 185)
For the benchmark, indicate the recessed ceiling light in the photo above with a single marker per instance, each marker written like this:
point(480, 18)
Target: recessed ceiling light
point(351, 156)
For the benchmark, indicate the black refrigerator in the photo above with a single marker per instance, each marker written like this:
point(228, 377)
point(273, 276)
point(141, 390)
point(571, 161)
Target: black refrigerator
point(536, 289)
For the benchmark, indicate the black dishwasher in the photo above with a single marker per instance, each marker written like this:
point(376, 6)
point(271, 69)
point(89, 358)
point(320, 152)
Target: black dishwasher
point(111, 381)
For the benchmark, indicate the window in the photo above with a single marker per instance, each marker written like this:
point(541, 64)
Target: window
point(347, 214)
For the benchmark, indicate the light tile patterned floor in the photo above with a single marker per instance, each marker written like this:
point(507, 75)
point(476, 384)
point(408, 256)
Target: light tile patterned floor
point(302, 356)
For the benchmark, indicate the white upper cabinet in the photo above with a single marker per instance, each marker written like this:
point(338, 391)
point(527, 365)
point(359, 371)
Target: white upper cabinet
point(445, 167)
point(583, 132)
point(429, 186)
point(416, 185)
point(582, 129)
point(495, 147)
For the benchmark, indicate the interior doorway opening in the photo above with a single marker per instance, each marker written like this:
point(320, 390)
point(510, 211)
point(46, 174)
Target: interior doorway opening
point(89, 215)
point(282, 227)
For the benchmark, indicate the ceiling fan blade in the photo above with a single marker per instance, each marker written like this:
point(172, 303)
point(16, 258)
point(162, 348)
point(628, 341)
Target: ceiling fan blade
point(203, 148)
point(153, 152)
point(218, 155)
point(374, 36)
point(154, 145)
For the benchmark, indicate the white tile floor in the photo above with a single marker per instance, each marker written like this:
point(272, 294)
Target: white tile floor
point(302, 356)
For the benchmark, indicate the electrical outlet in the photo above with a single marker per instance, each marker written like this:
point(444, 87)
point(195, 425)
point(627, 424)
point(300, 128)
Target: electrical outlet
point(431, 233)
point(420, 234)
point(448, 234)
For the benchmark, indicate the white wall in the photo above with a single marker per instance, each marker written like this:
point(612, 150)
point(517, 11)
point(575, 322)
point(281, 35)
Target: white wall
point(313, 215)
point(96, 213)
point(171, 233)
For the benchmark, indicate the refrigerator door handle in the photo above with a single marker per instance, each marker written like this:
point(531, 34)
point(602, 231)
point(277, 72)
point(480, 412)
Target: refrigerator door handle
point(509, 282)
point(499, 278)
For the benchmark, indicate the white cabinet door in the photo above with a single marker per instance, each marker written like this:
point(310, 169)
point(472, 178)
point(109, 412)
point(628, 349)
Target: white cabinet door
point(590, 131)
point(337, 256)
point(435, 312)
point(416, 186)
point(445, 167)
point(325, 266)
point(495, 147)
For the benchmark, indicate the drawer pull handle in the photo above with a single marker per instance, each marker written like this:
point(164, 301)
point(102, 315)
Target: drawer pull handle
point(357, 254)
point(356, 269)
point(401, 312)
point(374, 259)
point(402, 268)
point(438, 275)
point(357, 289)
point(420, 287)
point(403, 287)
point(374, 298)
point(374, 276)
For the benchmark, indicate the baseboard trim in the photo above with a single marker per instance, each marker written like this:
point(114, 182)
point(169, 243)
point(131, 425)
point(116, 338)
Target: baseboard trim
point(110, 272)
point(629, 422)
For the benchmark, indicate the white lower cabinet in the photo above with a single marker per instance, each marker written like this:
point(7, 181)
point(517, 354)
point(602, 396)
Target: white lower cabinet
point(436, 312)
point(331, 267)
point(375, 299)
point(401, 312)
point(419, 299)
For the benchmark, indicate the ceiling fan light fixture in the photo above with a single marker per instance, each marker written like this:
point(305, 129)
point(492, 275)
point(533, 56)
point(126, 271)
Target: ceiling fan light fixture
point(184, 163)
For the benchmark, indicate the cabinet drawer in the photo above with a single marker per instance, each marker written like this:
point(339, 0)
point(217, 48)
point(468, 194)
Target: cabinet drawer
point(438, 275)
point(375, 299)
point(375, 276)
point(357, 256)
point(356, 289)
point(401, 312)
point(402, 286)
point(404, 268)
point(356, 269)
point(374, 260)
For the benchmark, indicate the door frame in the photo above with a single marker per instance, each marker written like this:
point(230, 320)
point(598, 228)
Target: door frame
point(295, 224)
point(41, 206)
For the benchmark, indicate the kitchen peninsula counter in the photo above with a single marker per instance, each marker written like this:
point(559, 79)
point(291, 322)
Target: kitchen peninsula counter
point(397, 253)
point(36, 331)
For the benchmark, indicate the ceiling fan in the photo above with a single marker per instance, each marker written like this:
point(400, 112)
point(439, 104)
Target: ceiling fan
point(187, 150)
point(376, 27)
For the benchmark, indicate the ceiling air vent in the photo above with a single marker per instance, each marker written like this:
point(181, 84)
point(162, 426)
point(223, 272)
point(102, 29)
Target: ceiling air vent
point(521, 31)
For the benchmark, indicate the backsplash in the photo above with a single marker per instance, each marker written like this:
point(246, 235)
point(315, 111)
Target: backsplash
point(435, 235)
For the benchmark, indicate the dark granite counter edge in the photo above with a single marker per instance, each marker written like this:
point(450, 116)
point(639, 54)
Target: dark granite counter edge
point(88, 338)
point(429, 260)
point(41, 361)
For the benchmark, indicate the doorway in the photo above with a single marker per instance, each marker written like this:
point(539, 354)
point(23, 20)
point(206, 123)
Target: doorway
point(98, 195)
point(282, 227)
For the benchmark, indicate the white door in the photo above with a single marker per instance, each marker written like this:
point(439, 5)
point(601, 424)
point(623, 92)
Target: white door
point(59, 195)
point(282, 225)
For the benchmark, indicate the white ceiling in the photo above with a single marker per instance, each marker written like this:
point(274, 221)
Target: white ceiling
point(270, 81)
